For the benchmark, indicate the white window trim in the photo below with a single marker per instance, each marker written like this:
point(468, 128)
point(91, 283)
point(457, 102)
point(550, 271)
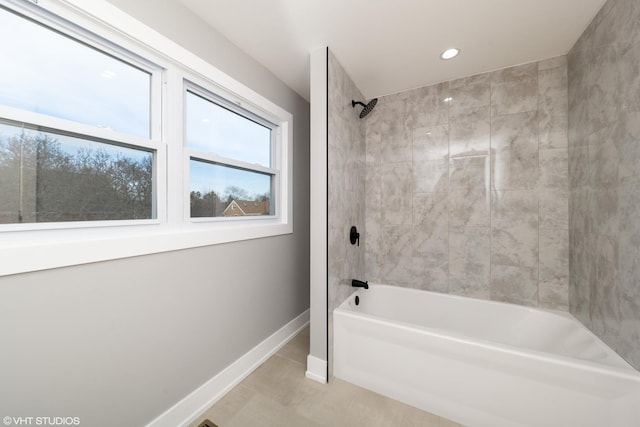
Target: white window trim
point(79, 243)
point(213, 95)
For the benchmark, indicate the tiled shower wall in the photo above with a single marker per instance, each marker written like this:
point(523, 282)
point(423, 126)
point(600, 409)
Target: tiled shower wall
point(346, 151)
point(604, 160)
point(467, 187)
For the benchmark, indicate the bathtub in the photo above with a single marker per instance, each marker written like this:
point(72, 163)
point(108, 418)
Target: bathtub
point(482, 363)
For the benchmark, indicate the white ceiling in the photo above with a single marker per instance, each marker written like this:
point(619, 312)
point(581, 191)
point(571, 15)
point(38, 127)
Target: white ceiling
point(388, 46)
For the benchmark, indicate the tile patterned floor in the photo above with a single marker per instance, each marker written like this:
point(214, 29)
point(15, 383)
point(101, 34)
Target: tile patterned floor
point(277, 394)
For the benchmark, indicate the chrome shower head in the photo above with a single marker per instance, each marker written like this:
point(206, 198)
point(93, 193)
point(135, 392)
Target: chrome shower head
point(367, 107)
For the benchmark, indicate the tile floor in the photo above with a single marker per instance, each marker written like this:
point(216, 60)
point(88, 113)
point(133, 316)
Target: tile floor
point(277, 394)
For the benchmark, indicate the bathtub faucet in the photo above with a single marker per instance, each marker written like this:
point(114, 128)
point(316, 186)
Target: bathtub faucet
point(359, 284)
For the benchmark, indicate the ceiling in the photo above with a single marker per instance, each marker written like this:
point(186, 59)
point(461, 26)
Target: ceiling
point(389, 46)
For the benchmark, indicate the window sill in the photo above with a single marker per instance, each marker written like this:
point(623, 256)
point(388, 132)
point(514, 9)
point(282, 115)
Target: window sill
point(87, 246)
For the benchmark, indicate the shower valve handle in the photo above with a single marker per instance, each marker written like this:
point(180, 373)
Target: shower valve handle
point(354, 236)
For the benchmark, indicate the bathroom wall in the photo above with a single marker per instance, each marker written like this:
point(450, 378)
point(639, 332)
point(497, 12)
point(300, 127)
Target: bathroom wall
point(604, 172)
point(467, 186)
point(346, 174)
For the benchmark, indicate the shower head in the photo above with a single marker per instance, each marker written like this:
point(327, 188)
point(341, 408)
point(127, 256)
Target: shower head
point(367, 107)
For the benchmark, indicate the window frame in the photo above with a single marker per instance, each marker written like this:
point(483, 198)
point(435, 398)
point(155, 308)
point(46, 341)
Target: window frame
point(152, 144)
point(39, 246)
point(227, 100)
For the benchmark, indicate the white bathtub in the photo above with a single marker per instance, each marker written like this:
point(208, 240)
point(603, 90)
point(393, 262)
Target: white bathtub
point(482, 363)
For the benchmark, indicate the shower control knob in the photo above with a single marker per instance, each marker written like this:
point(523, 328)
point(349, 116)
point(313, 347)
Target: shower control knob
point(354, 236)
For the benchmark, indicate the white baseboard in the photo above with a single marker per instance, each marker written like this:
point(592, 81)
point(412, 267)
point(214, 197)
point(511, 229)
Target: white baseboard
point(195, 404)
point(316, 369)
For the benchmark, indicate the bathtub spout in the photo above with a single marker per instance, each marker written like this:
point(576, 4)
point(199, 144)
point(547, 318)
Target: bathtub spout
point(359, 284)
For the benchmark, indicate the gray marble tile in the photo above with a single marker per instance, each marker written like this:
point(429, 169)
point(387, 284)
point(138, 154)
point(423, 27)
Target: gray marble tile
point(603, 159)
point(373, 136)
point(515, 169)
point(391, 116)
point(629, 247)
point(579, 204)
point(511, 209)
point(553, 114)
point(426, 106)
point(469, 207)
point(430, 277)
point(514, 228)
point(470, 135)
point(396, 193)
point(430, 143)
point(579, 300)
point(553, 208)
point(579, 126)
point(514, 90)
point(603, 211)
point(432, 245)
point(514, 284)
point(629, 269)
point(397, 252)
point(470, 246)
point(372, 264)
point(469, 96)
point(469, 172)
point(605, 314)
point(516, 246)
point(629, 336)
point(430, 239)
point(553, 294)
point(515, 132)
point(626, 135)
point(470, 280)
point(554, 170)
point(629, 76)
point(503, 133)
point(554, 256)
point(514, 97)
point(579, 173)
point(605, 89)
point(616, 22)
point(395, 148)
point(514, 146)
point(430, 210)
point(431, 176)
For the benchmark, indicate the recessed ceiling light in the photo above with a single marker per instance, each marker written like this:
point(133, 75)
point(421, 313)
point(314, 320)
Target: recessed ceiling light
point(448, 99)
point(450, 53)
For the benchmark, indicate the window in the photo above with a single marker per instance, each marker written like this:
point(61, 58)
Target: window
point(231, 158)
point(53, 177)
point(54, 74)
point(117, 142)
point(59, 98)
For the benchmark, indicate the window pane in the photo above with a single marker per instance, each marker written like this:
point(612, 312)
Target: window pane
point(48, 73)
point(218, 190)
point(49, 177)
point(215, 129)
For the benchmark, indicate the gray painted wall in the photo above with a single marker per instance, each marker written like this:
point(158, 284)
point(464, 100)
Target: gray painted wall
point(604, 175)
point(119, 342)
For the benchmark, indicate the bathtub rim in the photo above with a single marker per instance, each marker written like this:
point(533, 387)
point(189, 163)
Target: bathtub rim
point(625, 372)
